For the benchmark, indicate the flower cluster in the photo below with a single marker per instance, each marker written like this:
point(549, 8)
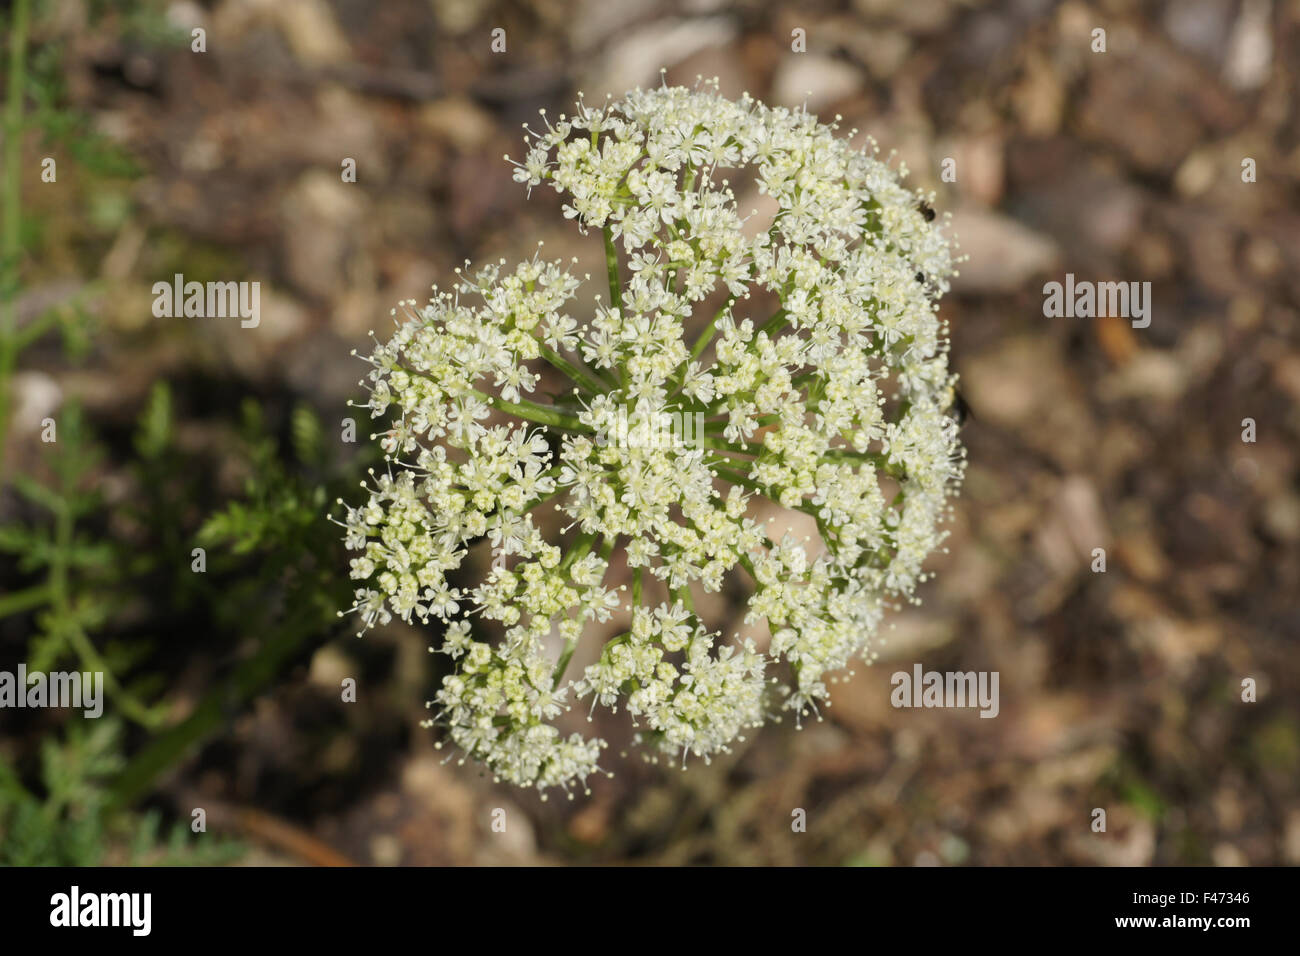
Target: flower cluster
point(819, 370)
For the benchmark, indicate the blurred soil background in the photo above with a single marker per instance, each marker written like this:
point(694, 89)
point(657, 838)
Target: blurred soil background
point(1119, 690)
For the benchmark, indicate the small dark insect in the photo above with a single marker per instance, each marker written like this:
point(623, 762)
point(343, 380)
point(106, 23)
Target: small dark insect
point(920, 277)
point(927, 212)
point(960, 408)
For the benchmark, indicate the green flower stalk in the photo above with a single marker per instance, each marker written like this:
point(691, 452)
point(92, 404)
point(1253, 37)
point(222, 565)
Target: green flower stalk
point(835, 404)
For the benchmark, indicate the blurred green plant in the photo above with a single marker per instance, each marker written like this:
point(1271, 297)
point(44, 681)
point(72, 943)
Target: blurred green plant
point(11, 216)
point(73, 823)
point(81, 583)
point(270, 560)
point(96, 550)
point(269, 584)
point(36, 100)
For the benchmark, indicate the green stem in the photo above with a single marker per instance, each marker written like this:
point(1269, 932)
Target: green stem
point(683, 594)
point(880, 461)
point(34, 330)
point(615, 286)
point(848, 454)
point(562, 664)
point(10, 227)
point(580, 548)
point(775, 322)
point(533, 412)
point(708, 332)
point(718, 444)
point(67, 623)
point(611, 266)
point(581, 545)
point(24, 600)
point(591, 382)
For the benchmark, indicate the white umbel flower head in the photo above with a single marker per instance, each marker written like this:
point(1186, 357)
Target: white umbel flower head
point(816, 378)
